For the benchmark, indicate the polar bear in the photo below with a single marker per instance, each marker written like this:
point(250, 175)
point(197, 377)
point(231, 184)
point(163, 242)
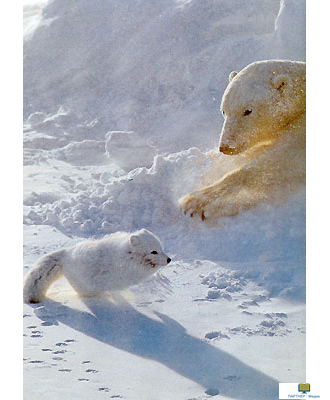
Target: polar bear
point(264, 107)
point(113, 263)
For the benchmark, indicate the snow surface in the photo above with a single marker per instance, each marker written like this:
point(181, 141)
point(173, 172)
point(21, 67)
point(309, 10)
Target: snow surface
point(121, 112)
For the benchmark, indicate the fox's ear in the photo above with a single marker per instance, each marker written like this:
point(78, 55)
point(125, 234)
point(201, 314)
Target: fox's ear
point(135, 240)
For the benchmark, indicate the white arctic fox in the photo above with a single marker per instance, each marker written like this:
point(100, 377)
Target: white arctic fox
point(113, 263)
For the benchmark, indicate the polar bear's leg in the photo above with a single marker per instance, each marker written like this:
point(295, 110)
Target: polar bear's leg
point(233, 193)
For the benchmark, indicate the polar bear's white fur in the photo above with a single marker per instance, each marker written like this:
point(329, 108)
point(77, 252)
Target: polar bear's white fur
point(113, 263)
point(264, 107)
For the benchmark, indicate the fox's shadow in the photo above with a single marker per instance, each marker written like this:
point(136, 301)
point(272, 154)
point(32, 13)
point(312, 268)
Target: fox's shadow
point(165, 341)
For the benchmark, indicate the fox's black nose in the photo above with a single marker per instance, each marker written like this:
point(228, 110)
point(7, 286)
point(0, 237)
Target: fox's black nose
point(168, 260)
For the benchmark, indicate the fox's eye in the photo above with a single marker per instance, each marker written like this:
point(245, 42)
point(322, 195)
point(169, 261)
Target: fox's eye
point(154, 252)
point(247, 112)
point(223, 113)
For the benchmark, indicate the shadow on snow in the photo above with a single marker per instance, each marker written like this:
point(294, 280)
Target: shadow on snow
point(164, 341)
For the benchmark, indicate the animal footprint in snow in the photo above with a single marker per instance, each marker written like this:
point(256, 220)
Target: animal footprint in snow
point(232, 378)
point(218, 335)
point(104, 389)
point(94, 371)
point(61, 344)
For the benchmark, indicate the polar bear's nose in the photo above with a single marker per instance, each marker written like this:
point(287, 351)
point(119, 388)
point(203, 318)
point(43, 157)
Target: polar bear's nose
point(168, 260)
point(227, 150)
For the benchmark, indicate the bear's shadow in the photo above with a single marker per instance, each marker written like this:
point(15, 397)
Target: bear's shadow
point(165, 341)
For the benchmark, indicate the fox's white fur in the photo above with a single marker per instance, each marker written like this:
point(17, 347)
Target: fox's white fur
point(115, 262)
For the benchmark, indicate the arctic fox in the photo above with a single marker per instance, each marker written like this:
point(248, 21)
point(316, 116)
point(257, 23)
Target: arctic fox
point(113, 263)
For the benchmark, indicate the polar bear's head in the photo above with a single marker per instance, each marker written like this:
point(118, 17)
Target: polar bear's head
point(260, 101)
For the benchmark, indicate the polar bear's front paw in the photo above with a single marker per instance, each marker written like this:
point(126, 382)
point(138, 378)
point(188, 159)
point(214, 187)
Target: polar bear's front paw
point(195, 206)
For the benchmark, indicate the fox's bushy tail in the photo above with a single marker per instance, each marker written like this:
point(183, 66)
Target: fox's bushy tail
point(46, 270)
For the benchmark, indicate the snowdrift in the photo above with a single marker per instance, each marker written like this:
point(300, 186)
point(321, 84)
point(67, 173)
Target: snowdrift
point(157, 68)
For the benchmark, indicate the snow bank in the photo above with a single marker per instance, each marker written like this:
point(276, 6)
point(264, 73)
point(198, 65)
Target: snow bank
point(32, 16)
point(290, 30)
point(156, 68)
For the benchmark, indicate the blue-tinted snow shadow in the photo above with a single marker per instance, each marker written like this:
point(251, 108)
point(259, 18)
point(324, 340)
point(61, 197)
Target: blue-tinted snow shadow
point(163, 340)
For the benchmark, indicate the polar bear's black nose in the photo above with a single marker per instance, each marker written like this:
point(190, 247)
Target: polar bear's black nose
point(227, 150)
point(168, 260)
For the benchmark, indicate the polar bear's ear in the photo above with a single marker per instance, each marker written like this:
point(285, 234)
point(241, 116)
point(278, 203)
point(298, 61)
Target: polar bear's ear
point(282, 82)
point(232, 75)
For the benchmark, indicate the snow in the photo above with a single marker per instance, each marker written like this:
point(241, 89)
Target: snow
point(32, 16)
point(121, 113)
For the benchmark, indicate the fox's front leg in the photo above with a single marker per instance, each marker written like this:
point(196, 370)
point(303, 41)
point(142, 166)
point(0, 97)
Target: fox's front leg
point(233, 193)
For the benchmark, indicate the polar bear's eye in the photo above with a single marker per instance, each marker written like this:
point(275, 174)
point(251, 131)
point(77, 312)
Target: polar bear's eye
point(154, 252)
point(247, 111)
